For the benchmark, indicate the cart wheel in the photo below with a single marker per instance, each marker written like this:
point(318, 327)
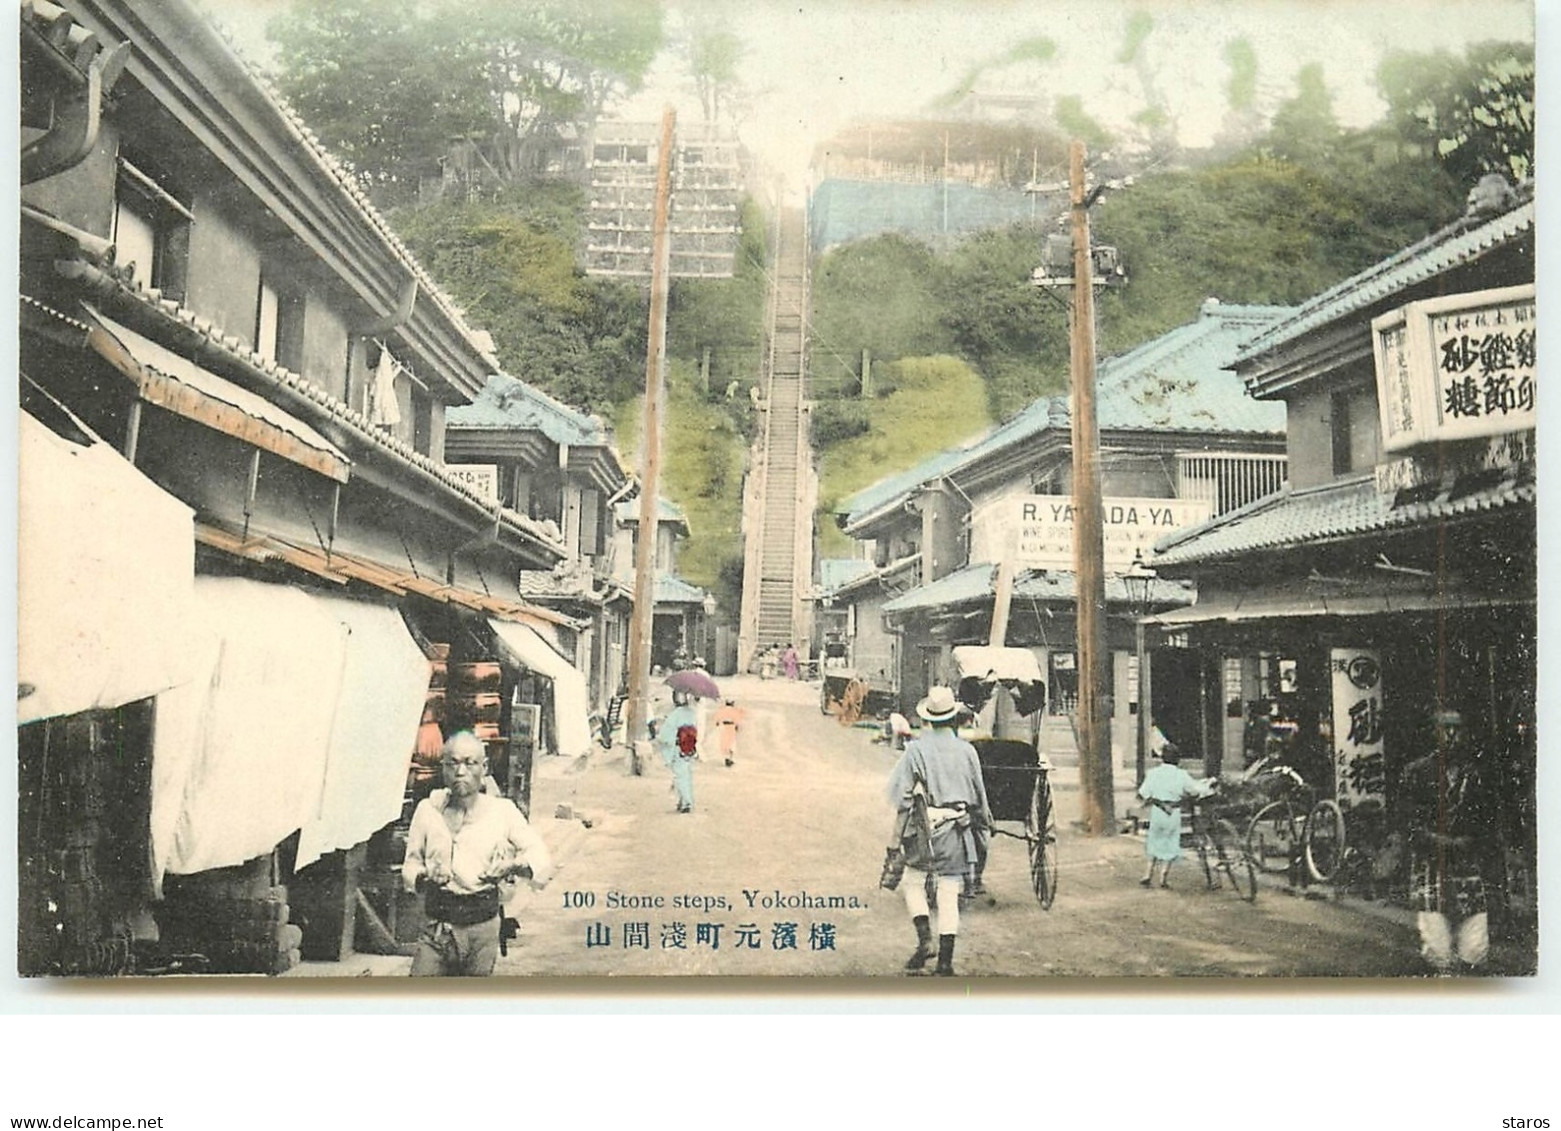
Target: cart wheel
point(1324, 840)
point(1271, 837)
point(1235, 862)
point(1040, 834)
point(1205, 849)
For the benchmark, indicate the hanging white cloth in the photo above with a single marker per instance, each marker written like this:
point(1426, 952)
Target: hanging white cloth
point(383, 408)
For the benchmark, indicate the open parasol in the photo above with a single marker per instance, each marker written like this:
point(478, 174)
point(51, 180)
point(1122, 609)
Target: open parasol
point(694, 682)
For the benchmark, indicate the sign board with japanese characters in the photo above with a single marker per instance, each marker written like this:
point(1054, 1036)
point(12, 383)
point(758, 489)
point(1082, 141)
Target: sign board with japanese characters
point(1356, 677)
point(1457, 366)
point(483, 478)
point(1039, 528)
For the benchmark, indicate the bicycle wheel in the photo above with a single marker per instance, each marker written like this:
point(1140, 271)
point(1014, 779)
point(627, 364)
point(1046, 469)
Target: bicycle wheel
point(1271, 838)
point(1323, 840)
point(1234, 861)
point(1040, 834)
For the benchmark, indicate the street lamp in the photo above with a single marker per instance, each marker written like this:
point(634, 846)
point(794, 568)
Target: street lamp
point(1139, 580)
point(707, 636)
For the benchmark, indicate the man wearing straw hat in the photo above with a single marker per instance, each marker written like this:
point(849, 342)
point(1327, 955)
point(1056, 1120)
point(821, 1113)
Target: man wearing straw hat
point(940, 774)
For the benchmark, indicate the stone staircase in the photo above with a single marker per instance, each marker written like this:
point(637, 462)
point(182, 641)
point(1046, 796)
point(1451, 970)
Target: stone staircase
point(779, 521)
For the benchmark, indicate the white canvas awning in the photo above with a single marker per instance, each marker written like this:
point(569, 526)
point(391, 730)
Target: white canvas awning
point(383, 688)
point(998, 663)
point(239, 754)
point(571, 702)
point(303, 719)
point(105, 567)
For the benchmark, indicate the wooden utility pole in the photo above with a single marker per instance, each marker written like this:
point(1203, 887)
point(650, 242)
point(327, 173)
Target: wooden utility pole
point(650, 446)
point(1094, 660)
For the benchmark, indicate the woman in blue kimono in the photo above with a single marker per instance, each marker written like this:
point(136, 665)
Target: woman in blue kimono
point(1165, 788)
point(677, 736)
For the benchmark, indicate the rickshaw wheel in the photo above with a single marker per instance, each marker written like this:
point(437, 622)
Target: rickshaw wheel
point(1237, 864)
point(1040, 834)
point(1271, 837)
point(1323, 843)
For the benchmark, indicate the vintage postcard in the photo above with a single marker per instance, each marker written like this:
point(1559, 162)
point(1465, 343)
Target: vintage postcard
point(1027, 490)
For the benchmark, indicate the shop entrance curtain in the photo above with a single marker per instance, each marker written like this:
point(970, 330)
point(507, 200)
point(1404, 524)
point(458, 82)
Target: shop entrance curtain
point(571, 702)
point(383, 687)
point(239, 755)
point(105, 566)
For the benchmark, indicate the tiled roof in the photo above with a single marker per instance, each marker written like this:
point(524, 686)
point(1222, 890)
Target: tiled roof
point(835, 572)
point(506, 402)
point(127, 295)
point(1451, 247)
point(676, 591)
point(893, 486)
point(1333, 512)
point(975, 583)
point(880, 575)
point(347, 184)
point(1179, 382)
point(666, 511)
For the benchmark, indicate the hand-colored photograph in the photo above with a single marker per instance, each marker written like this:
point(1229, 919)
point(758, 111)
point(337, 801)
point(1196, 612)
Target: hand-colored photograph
point(1034, 492)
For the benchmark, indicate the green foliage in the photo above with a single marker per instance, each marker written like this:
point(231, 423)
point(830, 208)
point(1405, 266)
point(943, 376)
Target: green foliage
point(713, 55)
point(1139, 25)
point(937, 402)
point(1241, 87)
point(1475, 114)
point(1073, 121)
point(702, 458)
point(510, 263)
point(383, 86)
point(1013, 333)
point(838, 421)
point(880, 295)
point(725, 316)
point(389, 84)
point(1304, 129)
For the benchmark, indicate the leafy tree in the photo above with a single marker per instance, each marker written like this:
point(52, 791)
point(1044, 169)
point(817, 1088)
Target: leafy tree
point(511, 264)
point(1242, 122)
point(385, 87)
point(1304, 129)
point(713, 55)
point(1475, 114)
point(556, 64)
point(878, 294)
point(391, 85)
point(1012, 332)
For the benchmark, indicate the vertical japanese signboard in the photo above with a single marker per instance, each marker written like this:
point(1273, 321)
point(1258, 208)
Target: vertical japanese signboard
point(1359, 775)
point(1457, 366)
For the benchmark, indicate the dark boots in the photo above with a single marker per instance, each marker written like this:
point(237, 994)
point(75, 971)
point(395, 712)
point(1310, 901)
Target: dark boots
point(923, 925)
point(945, 956)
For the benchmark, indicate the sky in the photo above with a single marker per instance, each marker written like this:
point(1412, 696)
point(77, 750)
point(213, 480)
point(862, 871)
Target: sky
point(810, 68)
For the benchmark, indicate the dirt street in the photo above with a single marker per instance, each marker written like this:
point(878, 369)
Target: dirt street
point(776, 871)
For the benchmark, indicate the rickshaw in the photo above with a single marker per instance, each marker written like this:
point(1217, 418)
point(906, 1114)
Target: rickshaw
point(1004, 688)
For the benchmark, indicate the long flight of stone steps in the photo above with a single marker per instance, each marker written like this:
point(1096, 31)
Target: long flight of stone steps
point(784, 532)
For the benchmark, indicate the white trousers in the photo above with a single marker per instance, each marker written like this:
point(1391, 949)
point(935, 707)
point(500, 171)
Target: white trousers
point(914, 885)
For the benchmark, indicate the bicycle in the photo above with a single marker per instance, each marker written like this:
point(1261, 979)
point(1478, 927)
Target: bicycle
point(1283, 837)
point(1223, 854)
